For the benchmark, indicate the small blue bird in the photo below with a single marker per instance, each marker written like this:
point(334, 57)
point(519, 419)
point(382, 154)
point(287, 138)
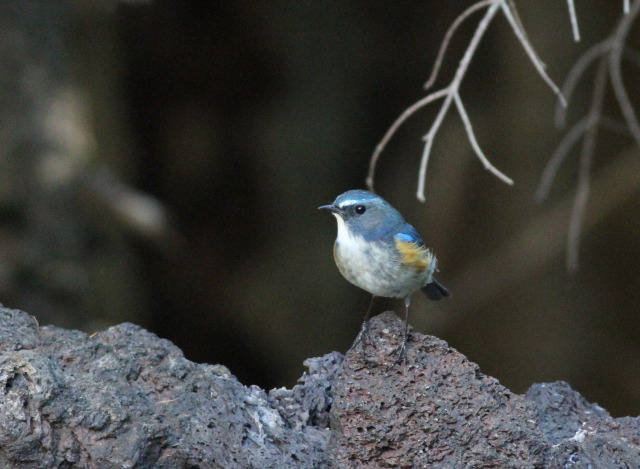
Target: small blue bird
point(378, 251)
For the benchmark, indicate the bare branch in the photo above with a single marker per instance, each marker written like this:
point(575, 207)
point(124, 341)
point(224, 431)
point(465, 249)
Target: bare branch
point(558, 156)
point(411, 110)
point(574, 20)
point(530, 51)
point(625, 6)
point(565, 146)
point(422, 173)
point(610, 53)
point(485, 278)
point(584, 170)
point(447, 39)
point(453, 89)
point(474, 143)
point(615, 70)
point(516, 16)
point(451, 92)
point(576, 73)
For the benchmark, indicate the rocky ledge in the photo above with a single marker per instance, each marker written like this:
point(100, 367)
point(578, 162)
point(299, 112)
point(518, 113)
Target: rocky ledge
point(124, 398)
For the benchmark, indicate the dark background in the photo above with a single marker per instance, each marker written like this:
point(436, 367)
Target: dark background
point(162, 164)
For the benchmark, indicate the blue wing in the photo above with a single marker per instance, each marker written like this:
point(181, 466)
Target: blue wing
point(412, 250)
point(409, 234)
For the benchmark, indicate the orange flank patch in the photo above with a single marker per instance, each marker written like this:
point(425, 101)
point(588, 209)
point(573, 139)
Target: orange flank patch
point(414, 255)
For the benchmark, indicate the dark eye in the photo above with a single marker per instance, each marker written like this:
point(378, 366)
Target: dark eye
point(360, 209)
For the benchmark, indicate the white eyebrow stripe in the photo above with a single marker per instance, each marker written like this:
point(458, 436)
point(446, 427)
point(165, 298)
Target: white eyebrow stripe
point(346, 203)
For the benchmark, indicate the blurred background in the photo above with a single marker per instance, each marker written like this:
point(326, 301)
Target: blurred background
point(162, 163)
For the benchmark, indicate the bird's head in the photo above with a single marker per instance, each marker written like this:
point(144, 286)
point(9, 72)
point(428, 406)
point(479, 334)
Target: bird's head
point(364, 214)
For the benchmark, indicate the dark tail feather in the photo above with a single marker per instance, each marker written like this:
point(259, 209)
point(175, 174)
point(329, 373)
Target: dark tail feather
point(435, 291)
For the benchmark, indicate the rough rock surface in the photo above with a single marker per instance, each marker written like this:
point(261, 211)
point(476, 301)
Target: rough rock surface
point(436, 410)
point(582, 434)
point(439, 410)
point(123, 398)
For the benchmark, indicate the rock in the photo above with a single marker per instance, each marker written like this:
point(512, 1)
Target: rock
point(436, 410)
point(582, 434)
point(124, 398)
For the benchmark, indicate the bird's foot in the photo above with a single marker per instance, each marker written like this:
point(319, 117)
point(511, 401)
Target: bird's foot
point(365, 337)
point(401, 350)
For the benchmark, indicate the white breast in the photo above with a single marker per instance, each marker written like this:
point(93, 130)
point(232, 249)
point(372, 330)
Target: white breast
point(372, 267)
point(346, 239)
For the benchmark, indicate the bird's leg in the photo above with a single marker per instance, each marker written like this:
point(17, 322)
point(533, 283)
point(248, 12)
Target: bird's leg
point(364, 336)
point(402, 349)
point(365, 324)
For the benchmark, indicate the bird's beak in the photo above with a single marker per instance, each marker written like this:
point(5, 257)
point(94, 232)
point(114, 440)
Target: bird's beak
point(332, 208)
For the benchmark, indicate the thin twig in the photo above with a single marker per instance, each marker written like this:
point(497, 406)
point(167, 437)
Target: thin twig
point(451, 92)
point(615, 70)
point(474, 143)
point(536, 245)
point(516, 16)
point(453, 88)
point(574, 20)
point(558, 156)
point(565, 146)
point(447, 39)
point(584, 170)
point(576, 73)
point(428, 139)
point(625, 6)
point(411, 110)
point(610, 54)
point(530, 52)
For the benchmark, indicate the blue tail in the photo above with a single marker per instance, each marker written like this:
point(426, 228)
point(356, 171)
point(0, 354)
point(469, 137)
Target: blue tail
point(435, 291)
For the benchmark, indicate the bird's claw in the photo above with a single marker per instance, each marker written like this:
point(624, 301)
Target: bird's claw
point(365, 332)
point(401, 350)
point(364, 337)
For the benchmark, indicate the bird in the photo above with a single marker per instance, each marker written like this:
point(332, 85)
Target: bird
point(378, 251)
